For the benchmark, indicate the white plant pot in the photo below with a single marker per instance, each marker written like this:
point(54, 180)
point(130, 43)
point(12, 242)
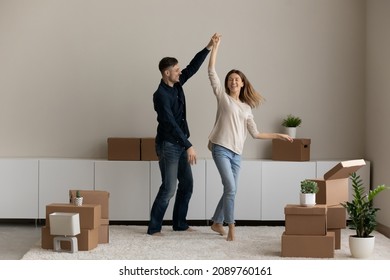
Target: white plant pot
point(361, 247)
point(307, 199)
point(291, 131)
point(78, 201)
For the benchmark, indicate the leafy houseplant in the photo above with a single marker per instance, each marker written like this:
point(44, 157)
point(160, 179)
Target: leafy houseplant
point(290, 124)
point(308, 186)
point(308, 192)
point(291, 121)
point(362, 214)
point(361, 210)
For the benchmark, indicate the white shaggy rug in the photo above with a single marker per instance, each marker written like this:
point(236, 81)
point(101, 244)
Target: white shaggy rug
point(252, 243)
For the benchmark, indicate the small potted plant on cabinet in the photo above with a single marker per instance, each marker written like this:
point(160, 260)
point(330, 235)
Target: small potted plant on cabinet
point(290, 124)
point(309, 189)
point(78, 200)
point(362, 215)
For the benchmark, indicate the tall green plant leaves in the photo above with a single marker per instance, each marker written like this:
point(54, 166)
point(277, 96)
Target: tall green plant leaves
point(361, 210)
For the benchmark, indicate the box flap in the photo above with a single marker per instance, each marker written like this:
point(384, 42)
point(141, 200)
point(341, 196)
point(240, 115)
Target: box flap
point(344, 169)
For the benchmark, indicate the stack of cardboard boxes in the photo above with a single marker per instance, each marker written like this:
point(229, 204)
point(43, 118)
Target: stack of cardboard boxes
point(101, 198)
point(306, 233)
point(316, 231)
point(94, 220)
point(89, 225)
point(132, 149)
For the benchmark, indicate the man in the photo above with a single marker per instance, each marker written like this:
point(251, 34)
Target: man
point(175, 152)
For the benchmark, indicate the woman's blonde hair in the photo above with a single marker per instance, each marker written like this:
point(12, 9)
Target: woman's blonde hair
point(248, 94)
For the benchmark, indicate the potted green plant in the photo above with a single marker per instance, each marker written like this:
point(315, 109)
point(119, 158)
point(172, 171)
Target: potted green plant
point(362, 215)
point(290, 123)
point(78, 200)
point(309, 189)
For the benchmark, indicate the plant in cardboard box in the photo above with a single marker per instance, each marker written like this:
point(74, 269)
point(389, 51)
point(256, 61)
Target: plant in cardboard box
point(362, 215)
point(308, 193)
point(290, 124)
point(78, 200)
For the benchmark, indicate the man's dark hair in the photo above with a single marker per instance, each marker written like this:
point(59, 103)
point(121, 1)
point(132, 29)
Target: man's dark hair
point(167, 62)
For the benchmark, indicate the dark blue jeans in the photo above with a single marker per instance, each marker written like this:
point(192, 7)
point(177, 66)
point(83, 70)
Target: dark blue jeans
point(175, 170)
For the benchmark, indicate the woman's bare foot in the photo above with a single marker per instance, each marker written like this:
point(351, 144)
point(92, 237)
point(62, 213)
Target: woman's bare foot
point(231, 234)
point(218, 228)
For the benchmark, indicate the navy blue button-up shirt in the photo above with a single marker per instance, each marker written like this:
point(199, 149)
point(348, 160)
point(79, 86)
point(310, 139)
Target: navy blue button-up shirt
point(170, 105)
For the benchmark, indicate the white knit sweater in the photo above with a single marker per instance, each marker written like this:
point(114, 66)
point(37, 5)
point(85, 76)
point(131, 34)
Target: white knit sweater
point(233, 119)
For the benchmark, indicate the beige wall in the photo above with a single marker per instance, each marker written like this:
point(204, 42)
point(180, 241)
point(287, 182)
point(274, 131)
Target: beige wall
point(378, 101)
point(73, 73)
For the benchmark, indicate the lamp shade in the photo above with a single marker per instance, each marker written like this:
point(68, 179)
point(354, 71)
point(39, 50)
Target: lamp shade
point(67, 224)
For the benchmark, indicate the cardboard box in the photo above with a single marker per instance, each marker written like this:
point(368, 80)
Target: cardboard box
point(332, 192)
point(337, 237)
point(336, 217)
point(94, 197)
point(298, 150)
point(87, 239)
point(301, 220)
point(148, 149)
point(344, 169)
point(89, 213)
point(101, 198)
point(308, 246)
point(104, 231)
point(124, 148)
point(333, 189)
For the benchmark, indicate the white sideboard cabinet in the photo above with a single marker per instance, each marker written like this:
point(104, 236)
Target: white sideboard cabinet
point(128, 183)
point(265, 186)
point(19, 188)
point(58, 176)
point(197, 205)
point(281, 181)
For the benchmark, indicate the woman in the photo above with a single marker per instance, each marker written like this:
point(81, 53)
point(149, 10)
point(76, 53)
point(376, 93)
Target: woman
point(226, 141)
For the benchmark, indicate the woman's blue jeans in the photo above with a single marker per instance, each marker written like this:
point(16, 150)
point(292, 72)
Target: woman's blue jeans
point(175, 170)
point(228, 164)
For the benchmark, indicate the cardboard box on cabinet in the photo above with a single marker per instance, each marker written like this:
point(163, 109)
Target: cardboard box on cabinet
point(121, 148)
point(298, 150)
point(148, 149)
point(301, 220)
point(308, 246)
point(333, 189)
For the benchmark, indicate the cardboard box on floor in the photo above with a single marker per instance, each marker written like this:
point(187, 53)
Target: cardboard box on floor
point(333, 189)
point(89, 225)
point(337, 237)
point(298, 150)
point(101, 198)
point(86, 240)
point(308, 246)
point(123, 148)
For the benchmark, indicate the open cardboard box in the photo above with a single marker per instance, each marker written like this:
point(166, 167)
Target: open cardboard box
point(333, 189)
